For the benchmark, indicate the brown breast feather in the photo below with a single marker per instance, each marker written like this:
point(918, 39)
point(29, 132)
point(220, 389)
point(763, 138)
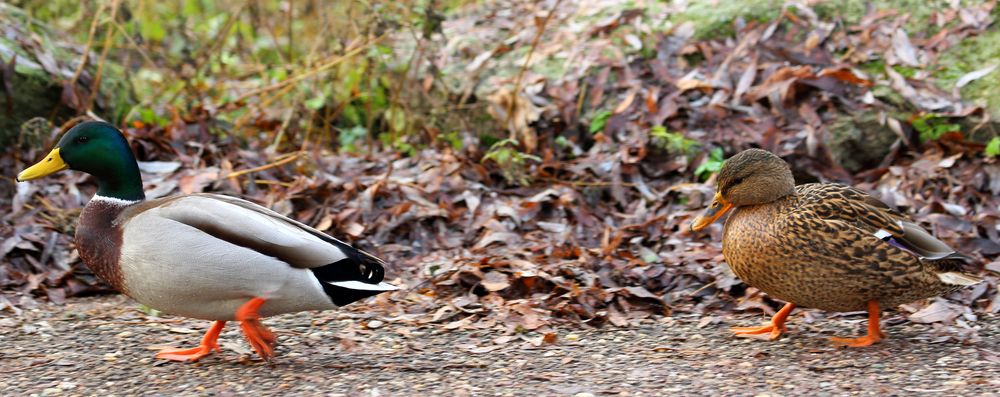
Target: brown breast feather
point(99, 241)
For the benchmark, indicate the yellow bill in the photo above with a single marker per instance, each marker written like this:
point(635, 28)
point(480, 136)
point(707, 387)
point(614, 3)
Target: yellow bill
point(49, 165)
point(716, 210)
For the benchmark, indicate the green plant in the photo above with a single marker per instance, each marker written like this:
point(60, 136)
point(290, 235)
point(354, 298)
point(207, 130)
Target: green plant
point(150, 116)
point(349, 137)
point(512, 162)
point(931, 127)
point(905, 71)
point(452, 139)
point(711, 165)
point(563, 143)
point(149, 311)
point(600, 120)
point(399, 143)
point(993, 148)
point(673, 142)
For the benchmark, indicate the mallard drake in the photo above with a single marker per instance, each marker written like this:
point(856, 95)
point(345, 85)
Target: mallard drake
point(824, 245)
point(204, 256)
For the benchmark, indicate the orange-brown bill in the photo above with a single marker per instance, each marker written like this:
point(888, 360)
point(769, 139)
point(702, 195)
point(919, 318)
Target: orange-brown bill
point(714, 211)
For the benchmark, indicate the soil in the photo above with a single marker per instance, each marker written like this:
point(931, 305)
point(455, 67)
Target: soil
point(105, 346)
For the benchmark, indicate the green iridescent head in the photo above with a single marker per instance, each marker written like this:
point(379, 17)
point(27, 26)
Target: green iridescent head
point(99, 149)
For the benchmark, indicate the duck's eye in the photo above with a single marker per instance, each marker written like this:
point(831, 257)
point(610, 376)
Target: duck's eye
point(737, 181)
point(82, 139)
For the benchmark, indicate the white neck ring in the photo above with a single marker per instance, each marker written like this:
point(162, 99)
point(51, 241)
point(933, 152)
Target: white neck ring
point(113, 200)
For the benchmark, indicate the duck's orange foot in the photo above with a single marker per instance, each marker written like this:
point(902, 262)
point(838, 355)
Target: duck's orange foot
point(863, 341)
point(875, 333)
point(260, 338)
point(774, 330)
point(208, 343)
point(193, 354)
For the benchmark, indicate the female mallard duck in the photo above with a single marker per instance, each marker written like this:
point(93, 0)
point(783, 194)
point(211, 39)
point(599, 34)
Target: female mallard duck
point(824, 245)
point(203, 256)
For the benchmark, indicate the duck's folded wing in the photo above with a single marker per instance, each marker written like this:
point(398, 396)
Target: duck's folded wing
point(249, 225)
point(845, 203)
point(848, 204)
point(917, 240)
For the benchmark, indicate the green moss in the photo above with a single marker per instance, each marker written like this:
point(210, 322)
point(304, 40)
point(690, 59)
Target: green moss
point(36, 92)
point(116, 96)
point(32, 89)
point(891, 96)
point(715, 19)
point(968, 56)
point(551, 67)
point(873, 68)
point(859, 141)
point(852, 11)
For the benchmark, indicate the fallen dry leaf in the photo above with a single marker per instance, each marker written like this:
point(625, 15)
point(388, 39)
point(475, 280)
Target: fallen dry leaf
point(495, 281)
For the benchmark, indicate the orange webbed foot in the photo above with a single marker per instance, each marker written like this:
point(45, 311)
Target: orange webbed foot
point(863, 341)
point(775, 331)
point(775, 327)
point(193, 354)
point(875, 333)
point(208, 343)
point(259, 337)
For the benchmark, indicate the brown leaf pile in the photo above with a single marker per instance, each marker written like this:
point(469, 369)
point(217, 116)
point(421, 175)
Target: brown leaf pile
point(599, 237)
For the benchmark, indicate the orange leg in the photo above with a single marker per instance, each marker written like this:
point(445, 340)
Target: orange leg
point(874, 332)
point(260, 338)
point(208, 343)
point(775, 327)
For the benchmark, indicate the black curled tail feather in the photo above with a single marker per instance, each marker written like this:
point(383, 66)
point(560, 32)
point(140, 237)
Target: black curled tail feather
point(374, 268)
point(357, 266)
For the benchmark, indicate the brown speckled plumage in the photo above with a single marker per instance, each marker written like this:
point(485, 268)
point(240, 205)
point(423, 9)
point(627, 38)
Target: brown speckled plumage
point(824, 245)
point(817, 248)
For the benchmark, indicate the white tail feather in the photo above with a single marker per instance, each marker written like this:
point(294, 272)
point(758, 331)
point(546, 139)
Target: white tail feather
point(955, 278)
point(360, 286)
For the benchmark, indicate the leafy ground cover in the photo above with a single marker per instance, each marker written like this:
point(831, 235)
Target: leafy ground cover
point(523, 164)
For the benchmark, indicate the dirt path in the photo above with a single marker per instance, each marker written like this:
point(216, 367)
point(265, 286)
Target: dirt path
point(103, 346)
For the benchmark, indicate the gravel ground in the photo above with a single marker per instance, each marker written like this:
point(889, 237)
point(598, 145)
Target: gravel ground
point(105, 346)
